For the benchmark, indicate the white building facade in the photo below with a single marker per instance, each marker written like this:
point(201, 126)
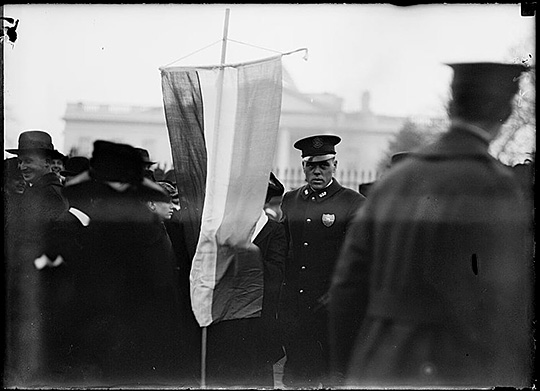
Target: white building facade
point(365, 135)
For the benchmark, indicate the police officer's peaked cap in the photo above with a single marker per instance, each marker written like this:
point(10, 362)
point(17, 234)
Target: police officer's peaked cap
point(318, 148)
point(497, 79)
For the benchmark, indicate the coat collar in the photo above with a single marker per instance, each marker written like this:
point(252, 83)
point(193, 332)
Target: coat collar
point(48, 179)
point(261, 222)
point(458, 141)
point(320, 195)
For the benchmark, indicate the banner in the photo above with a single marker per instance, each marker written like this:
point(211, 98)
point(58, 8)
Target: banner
point(223, 123)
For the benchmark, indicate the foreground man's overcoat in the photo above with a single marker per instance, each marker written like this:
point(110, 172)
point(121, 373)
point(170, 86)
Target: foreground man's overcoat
point(433, 287)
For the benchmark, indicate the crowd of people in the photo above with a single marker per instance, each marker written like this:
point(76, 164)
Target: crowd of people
point(425, 281)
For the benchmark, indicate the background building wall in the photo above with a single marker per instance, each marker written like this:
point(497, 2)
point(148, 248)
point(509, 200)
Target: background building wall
point(364, 134)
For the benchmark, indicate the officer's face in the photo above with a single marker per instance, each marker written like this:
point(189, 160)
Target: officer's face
point(319, 174)
point(33, 166)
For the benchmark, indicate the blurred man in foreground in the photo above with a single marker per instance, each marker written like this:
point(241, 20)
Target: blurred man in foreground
point(433, 287)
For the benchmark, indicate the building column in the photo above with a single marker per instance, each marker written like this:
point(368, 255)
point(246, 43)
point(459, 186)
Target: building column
point(281, 160)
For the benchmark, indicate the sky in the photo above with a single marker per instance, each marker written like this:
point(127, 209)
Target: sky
point(111, 53)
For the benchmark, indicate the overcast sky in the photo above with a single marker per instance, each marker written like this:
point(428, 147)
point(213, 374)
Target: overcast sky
point(110, 54)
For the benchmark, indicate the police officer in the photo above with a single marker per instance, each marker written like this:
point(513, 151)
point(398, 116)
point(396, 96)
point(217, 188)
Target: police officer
point(315, 216)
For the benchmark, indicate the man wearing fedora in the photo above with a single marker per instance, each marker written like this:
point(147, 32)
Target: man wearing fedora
point(316, 217)
point(29, 230)
point(148, 163)
point(434, 285)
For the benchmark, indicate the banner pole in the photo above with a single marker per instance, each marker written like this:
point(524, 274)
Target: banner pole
point(203, 357)
point(225, 34)
point(204, 334)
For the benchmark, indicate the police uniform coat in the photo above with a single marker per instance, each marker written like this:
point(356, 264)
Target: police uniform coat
point(433, 287)
point(315, 223)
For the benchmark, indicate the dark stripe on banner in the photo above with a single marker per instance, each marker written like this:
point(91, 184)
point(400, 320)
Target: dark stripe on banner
point(182, 99)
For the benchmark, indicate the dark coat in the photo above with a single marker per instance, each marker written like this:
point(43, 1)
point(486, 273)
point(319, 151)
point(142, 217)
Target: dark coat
point(273, 244)
point(28, 235)
point(191, 331)
point(433, 287)
point(242, 352)
point(41, 204)
point(123, 313)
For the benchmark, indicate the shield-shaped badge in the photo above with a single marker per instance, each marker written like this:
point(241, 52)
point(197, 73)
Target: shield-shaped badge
point(328, 219)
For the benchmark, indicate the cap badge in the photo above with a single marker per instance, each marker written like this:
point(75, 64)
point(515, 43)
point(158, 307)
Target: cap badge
point(328, 219)
point(317, 142)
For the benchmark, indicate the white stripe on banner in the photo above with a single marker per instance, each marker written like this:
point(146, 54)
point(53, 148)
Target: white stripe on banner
point(241, 109)
point(219, 136)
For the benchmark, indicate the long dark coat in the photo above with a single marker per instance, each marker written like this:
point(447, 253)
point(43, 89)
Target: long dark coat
point(191, 331)
point(316, 224)
point(27, 237)
point(273, 244)
point(123, 314)
point(242, 352)
point(433, 287)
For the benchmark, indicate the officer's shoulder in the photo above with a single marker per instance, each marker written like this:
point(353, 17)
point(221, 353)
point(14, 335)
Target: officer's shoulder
point(293, 192)
point(352, 194)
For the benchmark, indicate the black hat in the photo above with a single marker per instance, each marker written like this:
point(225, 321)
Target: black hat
point(496, 79)
point(56, 154)
point(75, 165)
point(170, 176)
point(170, 188)
point(11, 168)
point(116, 162)
point(34, 140)
point(317, 148)
point(275, 187)
point(145, 156)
